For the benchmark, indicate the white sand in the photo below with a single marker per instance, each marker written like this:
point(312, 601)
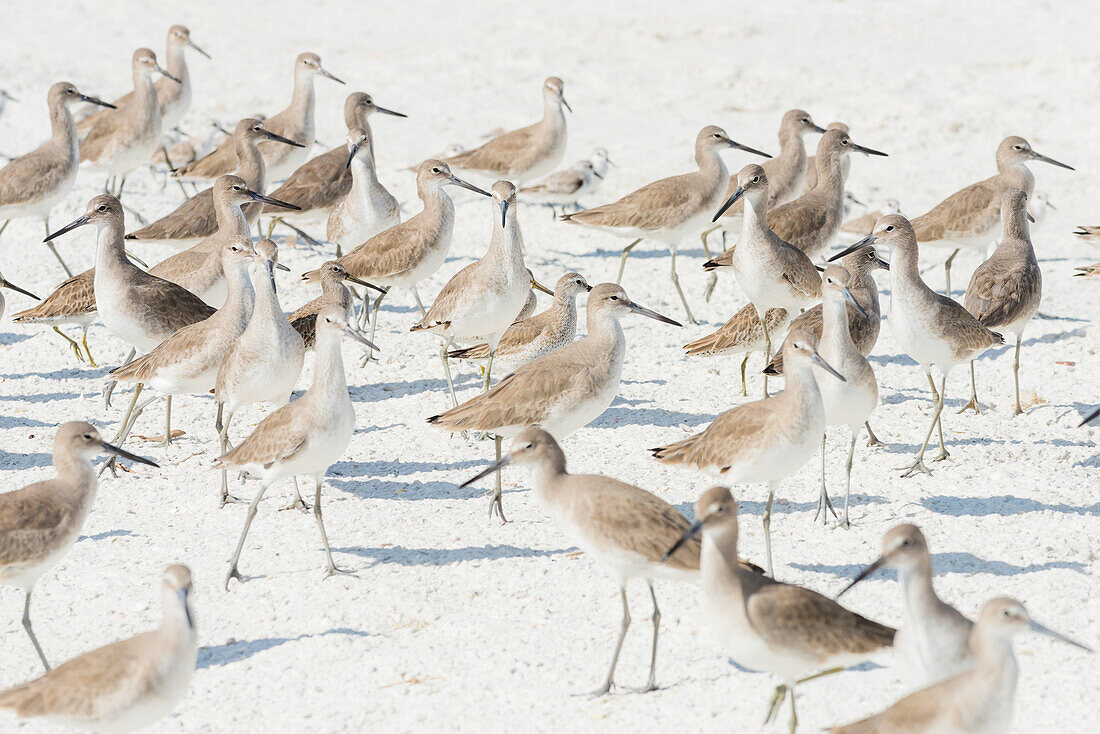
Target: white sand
point(452, 621)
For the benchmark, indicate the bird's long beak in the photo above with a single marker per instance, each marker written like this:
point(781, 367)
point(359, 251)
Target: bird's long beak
point(325, 72)
point(868, 240)
point(597, 175)
point(1090, 417)
point(255, 196)
point(124, 454)
point(95, 100)
point(503, 212)
point(195, 46)
point(280, 139)
point(351, 155)
point(12, 286)
point(495, 466)
point(459, 182)
point(879, 563)
point(866, 151)
point(882, 263)
point(1029, 217)
point(729, 202)
point(270, 265)
point(643, 311)
point(847, 293)
point(365, 284)
point(817, 128)
point(540, 287)
point(1051, 161)
point(165, 73)
point(820, 362)
point(384, 111)
point(747, 149)
point(1052, 206)
point(5, 95)
point(1044, 630)
point(688, 535)
point(183, 594)
point(360, 338)
point(564, 103)
point(78, 222)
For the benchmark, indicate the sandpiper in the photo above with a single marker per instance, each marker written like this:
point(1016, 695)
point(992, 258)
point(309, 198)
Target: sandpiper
point(71, 303)
point(766, 440)
point(560, 391)
point(333, 291)
point(789, 631)
point(671, 208)
point(743, 333)
point(40, 522)
point(623, 528)
point(33, 184)
point(811, 163)
point(525, 154)
point(969, 217)
point(4, 283)
point(305, 436)
point(126, 685)
point(368, 207)
point(931, 328)
point(566, 187)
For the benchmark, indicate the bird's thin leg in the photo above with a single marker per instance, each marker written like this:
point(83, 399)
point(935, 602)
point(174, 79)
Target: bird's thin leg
point(824, 506)
point(1016, 373)
point(767, 347)
point(496, 504)
point(768, 529)
point(167, 424)
point(703, 237)
point(712, 282)
point(109, 388)
point(72, 343)
point(973, 404)
point(419, 304)
point(794, 714)
point(84, 340)
point(651, 684)
point(447, 369)
point(125, 421)
point(939, 422)
point(30, 631)
point(488, 369)
point(872, 439)
point(744, 385)
point(676, 282)
point(848, 475)
point(233, 572)
point(374, 318)
point(121, 185)
point(223, 441)
point(622, 260)
point(947, 273)
point(330, 565)
point(297, 503)
point(46, 221)
point(606, 687)
point(918, 464)
point(777, 701)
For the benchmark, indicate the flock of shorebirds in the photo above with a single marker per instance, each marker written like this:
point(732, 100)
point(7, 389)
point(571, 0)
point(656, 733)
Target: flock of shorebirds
point(208, 320)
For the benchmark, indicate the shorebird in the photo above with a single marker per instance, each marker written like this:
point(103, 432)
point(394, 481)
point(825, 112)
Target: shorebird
point(199, 268)
point(789, 631)
point(934, 642)
point(484, 298)
point(531, 337)
point(4, 283)
point(34, 183)
point(772, 272)
point(765, 440)
point(72, 302)
point(40, 522)
point(333, 291)
point(305, 436)
point(811, 163)
point(969, 217)
point(866, 223)
point(196, 218)
point(322, 182)
point(560, 391)
point(931, 328)
point(294, 122)
point(566, 187)
point(979, 701)
point(368, 207)
point(525, 154)
point(743, 333)
point(1005, 291)
point(187, 362)
point(669, 209)
point(126, 685)
point(622, 528)
point(812, 220)
point(118, 141)
point(1089, 234)
point(413, 250)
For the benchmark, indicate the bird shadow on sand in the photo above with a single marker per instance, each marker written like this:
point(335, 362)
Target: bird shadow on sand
point(1003, 506)
point(1048, 338)
point(943, 564)
point(18, 462)
point(379, 391)
point(402, 556)
point(398, 490)
point(7, 338)
point(233, 652)
point(108, 534)
point(783, 506)
point(613, 417)
point(65, 373)
point(41, 397)
point(22, 421)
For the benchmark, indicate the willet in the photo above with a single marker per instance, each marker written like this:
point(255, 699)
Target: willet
point(33, 184)
point(118, 141)
point(931, 328)
point(196, 218)
point(560, 391)
point(40, 522)
point(305, 436)
point(262, 365)
point(525, 154)
point(766, 440)
point(979, 701)
point(71, 303)
point(1005, 291)
point(934, 642)
point(968, 218)
point(743, 333)
point(483, 299)
point(368, 207)
point(187, 362)
point(669, 209)
point(789, 631)
point(322, 182)
point(333, 292)
point(772, 272)
point(4, 283)
point(413, 250)
point(294, 122)
point(126, 685)
point(864, 224)
point(199, 268)
point(534, 336)
point(622, 528)
point(811, 163)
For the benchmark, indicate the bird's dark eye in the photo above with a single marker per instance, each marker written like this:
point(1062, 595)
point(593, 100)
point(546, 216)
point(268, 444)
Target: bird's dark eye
point(87, 437)
point(890, 228)
point(1017, 147)
point(102, 207)
point(756, 179)
point(844, 142)
point(236, 188)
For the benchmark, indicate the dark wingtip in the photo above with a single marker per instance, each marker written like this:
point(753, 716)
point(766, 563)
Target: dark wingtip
point(710, 265)
point(770, 370)
point(130, 237)
point(435, 419)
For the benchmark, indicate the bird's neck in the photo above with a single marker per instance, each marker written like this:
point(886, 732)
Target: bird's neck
point(830, 176)
point(364, 177)
point(250, 165)
point(792, 149)
point(711, 166)
point(76, 475)
point(548, 473)
point(506, 244)
point(63, 128)
point(231, 219)
point(918, 596)
point(177, 64)
point(328, 373)
point(301, 101)
point(835, 335)
point(553, 116)
point(240, 296)
point(266, 299)
point(110, 251)
point(1015, 227)
point(754, 220)
point(145, 93)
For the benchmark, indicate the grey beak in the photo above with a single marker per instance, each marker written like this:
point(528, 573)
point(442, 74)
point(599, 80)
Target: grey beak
point(96, 100)
point(879, 563)
point(503, 213)
point(281, 139)
point(690, 533)
point(1043, 630)
point(78, 222)
point(360, 338)
point(324, 72)
point(868, 240)
point(124, 454)
point(268, 200)
point(351, 155)
point(165, 73)
point(12, 286)
point(195, 46)
point(270, 265)
point(643, 311)
point(459, 182)
point(384, 111)
point(866, 151)
point(1029, 217)
point(494, 467)
point(816, 359)
point(729, 202)
point(365, 284)
point(817, 129)
point(564, 103)
point(1051, 161)
point(847, 293)
point(747, 149)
